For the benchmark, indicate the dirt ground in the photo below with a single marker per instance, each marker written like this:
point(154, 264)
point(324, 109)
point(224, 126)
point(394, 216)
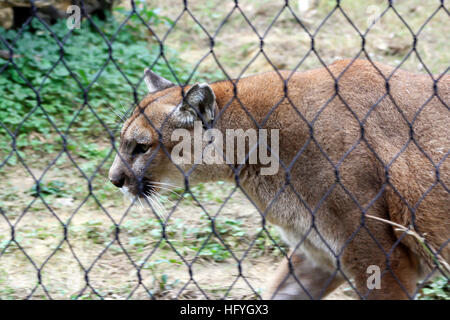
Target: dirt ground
point(112, 273)
point(286, 43)
point(111, 265)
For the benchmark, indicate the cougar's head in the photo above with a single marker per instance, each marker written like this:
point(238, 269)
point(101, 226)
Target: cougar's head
point(144, 164)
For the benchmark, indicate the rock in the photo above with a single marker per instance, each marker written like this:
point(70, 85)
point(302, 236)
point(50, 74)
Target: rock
point(6, 17)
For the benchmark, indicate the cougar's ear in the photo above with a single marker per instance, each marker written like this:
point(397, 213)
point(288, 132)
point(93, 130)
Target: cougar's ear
point(155, 82)
point(199, 104)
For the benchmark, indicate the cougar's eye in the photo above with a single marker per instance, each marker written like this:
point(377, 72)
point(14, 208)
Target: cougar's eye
point(141, 148)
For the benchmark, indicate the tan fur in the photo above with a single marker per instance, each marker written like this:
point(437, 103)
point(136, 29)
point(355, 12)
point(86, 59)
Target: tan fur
point(339, 231)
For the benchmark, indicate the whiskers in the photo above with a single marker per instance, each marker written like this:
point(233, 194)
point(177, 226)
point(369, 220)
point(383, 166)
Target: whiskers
point(151, 199)
point(156, 205)
point(167, 186)
point(121, 115)
point(154, 200)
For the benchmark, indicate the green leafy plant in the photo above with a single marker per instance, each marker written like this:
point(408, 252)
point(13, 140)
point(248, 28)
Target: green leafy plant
point(439, 289)
point(230, 231)
point(55, 188)
point(161, 282)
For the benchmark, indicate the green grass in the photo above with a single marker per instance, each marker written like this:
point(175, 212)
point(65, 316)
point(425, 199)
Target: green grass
point(189, 239)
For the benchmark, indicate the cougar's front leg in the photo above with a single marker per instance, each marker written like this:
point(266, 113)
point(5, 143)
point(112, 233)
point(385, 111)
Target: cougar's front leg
point(314, 279)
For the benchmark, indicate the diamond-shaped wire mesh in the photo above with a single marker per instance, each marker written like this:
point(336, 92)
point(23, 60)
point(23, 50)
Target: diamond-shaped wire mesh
point(220, 238)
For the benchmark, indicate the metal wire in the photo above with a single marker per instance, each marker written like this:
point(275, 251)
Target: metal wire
point(287, 7)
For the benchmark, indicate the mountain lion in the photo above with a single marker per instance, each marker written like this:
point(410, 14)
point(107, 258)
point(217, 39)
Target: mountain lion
point(357, 154)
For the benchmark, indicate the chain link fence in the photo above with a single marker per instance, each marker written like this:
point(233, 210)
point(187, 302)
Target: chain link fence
point(217, 236)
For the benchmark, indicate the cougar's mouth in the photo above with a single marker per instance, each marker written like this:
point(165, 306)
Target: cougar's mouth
point(146, 189)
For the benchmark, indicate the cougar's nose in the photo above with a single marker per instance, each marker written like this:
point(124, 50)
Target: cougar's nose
point(118, 181)
point(116, 173)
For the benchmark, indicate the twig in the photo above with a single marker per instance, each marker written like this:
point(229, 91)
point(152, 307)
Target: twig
point(436, 257)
